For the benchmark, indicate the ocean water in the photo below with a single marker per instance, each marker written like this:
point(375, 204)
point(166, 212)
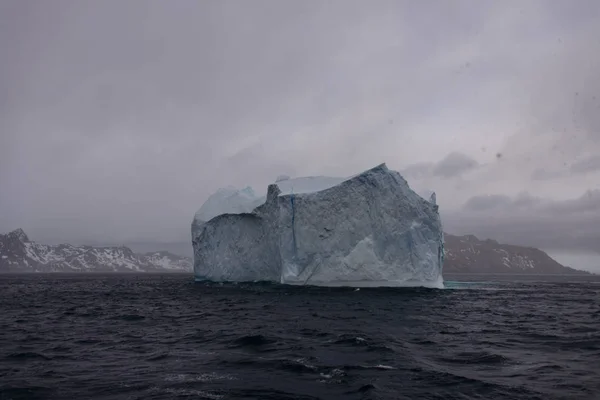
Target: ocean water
point(166, 337)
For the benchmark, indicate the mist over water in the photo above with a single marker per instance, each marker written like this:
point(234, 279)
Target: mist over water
point(165, 337)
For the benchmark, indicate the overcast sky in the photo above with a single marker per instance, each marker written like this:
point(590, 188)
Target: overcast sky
point(119, 118)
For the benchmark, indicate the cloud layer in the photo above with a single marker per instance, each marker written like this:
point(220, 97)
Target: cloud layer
point(118, 119)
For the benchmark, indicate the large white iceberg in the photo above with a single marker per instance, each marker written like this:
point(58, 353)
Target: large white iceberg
point(367, 230)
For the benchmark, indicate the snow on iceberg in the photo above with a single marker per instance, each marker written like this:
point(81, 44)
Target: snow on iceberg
point(367, 230)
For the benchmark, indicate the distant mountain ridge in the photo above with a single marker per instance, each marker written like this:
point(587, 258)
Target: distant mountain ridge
point(19, 254)
point(469, 254)
point(463, 254)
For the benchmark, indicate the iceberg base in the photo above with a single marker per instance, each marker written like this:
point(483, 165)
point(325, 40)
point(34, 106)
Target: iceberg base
point(437, 284)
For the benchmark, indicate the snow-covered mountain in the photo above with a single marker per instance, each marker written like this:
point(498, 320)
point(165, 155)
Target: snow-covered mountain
point(19, 254)
point(469, 254)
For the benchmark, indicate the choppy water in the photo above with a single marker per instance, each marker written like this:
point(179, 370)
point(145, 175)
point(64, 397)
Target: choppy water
point(165, 337)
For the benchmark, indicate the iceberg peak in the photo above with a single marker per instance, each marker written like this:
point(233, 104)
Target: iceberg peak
point(19, 234)
point(433, 198)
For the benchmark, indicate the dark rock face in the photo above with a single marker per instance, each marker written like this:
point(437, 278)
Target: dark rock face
point(469, 254)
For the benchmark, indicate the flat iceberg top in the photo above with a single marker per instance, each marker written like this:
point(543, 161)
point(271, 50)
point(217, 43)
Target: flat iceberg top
point(309, 184)
point(230, 200)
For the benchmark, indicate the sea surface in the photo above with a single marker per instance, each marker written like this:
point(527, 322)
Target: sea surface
point(166, 337)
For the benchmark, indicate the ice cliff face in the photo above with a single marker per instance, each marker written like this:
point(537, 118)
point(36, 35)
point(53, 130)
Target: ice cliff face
point(368, 230)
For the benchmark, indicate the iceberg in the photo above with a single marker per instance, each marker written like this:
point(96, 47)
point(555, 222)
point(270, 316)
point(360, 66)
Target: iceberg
point(370, 229)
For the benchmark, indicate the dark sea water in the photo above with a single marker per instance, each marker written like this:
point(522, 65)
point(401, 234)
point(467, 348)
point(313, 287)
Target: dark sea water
point(166, 337)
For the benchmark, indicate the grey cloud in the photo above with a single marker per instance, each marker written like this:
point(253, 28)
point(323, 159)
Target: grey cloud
point(118, 119)
point(588, 202)
point(541, 174)
point(574, 233)
point(586, 165)
point(530, 220)
point(581, 167)
point(418, 170)
point(454, 164)
point(568, 124)
point(498, 201)
point(524, 199)
point(482, 203)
